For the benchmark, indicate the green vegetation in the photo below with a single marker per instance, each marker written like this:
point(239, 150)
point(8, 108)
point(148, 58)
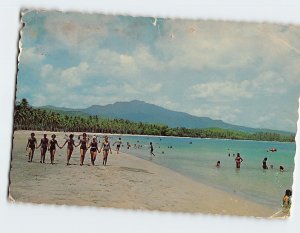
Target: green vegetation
point(28, 118)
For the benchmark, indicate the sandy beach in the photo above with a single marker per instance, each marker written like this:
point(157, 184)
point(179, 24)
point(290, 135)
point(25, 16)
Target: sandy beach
point(126, 182)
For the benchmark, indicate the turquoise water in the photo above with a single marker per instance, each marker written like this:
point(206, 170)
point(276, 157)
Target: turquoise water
point(196, 158)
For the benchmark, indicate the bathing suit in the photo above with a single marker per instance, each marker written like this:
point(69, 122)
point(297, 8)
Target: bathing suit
point(106, 146)
point(44, 143)
point(52, 144)
point(151, 148)
point(238, 162)
point(94, 146)
point(83, 145)
point(70, 144)
point(32, 142)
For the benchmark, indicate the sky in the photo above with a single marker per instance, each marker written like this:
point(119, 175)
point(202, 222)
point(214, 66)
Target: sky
point(239, 72)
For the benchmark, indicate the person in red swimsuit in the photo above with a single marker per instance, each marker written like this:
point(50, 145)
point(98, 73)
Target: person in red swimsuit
point(238, 160)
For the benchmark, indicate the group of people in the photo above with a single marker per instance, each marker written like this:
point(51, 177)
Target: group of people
point(84, 142)
point(239, 160)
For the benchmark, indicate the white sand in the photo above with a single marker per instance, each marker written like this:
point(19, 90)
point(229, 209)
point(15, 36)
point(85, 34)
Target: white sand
point(126, 182)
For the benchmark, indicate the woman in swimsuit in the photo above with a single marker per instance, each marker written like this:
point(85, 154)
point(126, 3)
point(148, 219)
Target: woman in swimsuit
point(238, 160)
point(70, 147)
point(52, 147)
point(106, 147)
point(287, 202)
point(44, 145)
point(94, 148)
point(31, 144)
point(83, 147)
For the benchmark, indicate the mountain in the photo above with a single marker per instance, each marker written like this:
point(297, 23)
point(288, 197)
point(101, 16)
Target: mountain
point(149, 113)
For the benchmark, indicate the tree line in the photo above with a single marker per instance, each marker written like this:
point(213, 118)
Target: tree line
point(29, 118)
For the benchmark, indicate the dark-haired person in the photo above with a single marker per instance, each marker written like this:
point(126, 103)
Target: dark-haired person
point(44, 145)
point(287, 202)
point(119, 142)
point(31, 144)
point(218, 164)
point(238, 160)
point(264, 163)
point(151, 149)
point(52, 147)
point(83, 147)
point(106, 148)
point(94, 148)
point(281, 168)
point(70, 147)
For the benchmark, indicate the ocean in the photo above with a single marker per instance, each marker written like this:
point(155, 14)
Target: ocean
point(196, 158)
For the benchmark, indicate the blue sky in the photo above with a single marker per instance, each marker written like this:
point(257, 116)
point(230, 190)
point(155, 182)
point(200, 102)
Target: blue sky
point(242, 73)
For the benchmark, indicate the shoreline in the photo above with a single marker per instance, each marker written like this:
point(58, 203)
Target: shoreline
point(146, 135)
point(146, 185)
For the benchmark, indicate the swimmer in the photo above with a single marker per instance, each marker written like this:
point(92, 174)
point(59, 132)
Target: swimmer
point(218, 164)
point(264, 163)
point(238, 160)
point(281, 168)
point(31, 144)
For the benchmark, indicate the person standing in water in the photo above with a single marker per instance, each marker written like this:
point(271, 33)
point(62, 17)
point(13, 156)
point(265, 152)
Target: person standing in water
point(44, 145)
point(238, 160)
point(218, 164)
point(52, 147)
point(287, 202)
point(264, 163)
point(151, 149)
point(70, 147)
point(106, 148)
point(31, 144)
point(94, 147)
point(83, 147)
point(119, 142)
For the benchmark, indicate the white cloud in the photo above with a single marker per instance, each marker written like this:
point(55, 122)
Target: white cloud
point(221, 91)
point(31, 56)
point(46, 70)
point(74, 76)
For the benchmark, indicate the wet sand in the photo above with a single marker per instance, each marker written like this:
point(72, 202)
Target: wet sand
point(126, 182)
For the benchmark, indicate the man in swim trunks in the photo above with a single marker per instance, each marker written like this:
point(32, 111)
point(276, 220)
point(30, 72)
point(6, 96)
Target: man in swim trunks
point(119, 142)
point(31, 144)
